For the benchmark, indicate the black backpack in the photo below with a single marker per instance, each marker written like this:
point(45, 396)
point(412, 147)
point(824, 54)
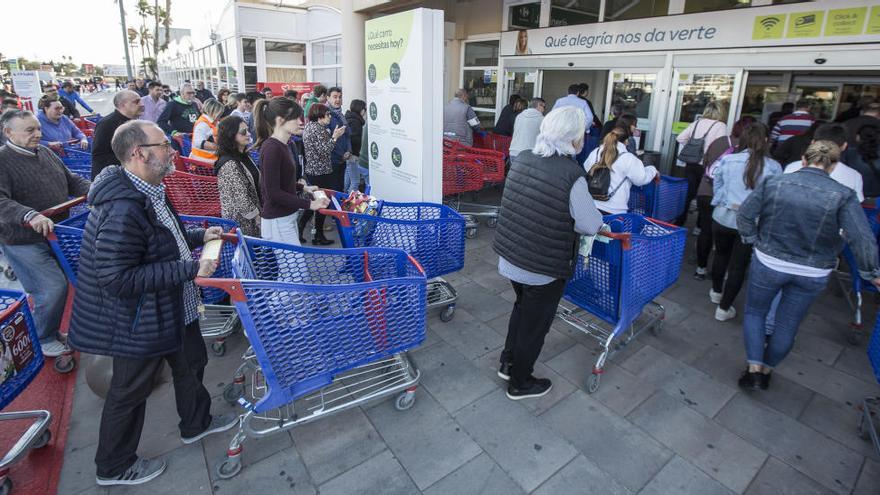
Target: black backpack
point(599, 179)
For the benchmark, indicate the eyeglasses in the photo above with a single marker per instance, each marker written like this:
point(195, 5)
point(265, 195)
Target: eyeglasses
point(165, 144)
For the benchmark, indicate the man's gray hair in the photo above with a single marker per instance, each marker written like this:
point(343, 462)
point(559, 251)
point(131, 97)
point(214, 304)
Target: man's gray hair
point(561, 130)
point(186, 86)
point(119, 98)
point(127, 137)
point(8, 116)
point(537, 102)
point(461, 93)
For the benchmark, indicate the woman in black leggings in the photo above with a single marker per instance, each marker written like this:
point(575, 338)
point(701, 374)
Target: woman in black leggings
point(735, 177)
point(318, 143)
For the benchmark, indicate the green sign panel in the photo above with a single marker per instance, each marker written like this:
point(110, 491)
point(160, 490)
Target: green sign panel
point(846, 22)
point(768, 27)
point(805, 24)
point(873, 21)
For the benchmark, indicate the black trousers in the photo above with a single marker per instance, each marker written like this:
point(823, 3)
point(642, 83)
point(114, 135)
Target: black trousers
point(338, 176)
point(693, 172)
point(326, 181)
point(530, 320)
point(731, 257)
point(704, 222)
point(124, 409)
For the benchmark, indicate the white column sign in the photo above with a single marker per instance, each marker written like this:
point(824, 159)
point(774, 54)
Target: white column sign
point(404, 63)
point(26, 84)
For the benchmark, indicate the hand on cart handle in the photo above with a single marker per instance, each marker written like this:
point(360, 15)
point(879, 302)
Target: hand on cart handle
point(657, 178)
point(876, 282)
point(212, 233)
point(319, 204)
point(42, 222)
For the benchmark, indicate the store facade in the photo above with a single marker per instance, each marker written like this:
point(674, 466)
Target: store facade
point(251, 43)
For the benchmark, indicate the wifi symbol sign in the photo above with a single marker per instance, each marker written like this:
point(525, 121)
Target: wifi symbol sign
point(770, 22)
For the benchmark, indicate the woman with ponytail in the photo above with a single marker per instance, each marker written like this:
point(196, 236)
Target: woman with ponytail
point(625, 169)
point(275, 120)
point(794, 221)
point(736, 175)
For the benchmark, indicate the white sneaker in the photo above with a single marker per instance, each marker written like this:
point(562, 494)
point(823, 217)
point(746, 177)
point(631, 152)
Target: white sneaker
point(715, 297)
point(54, 348)
point(722, 315)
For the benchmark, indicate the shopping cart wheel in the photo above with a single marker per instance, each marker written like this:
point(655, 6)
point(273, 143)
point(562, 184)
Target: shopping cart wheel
point(657, 328)
point(447, 314)
point(218, 348)
point(492, 222)
point(64, 363)
point(855, 336)
point(593, 383)
point(6, 487)
point(471, 232)
point(229, 468)
point(405, 401)
point(10, 274)
point(233, 392)
point(43, 439)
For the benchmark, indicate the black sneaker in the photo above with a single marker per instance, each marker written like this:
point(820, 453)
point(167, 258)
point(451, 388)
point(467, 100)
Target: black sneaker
point(504, 371)
point(750, 381)
point(765, 380)
point(142, 471)
point(535, 387)
point(218, 424)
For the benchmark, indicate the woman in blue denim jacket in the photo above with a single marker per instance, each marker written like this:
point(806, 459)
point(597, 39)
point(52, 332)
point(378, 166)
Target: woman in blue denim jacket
point(794, 221)
point(736, 176)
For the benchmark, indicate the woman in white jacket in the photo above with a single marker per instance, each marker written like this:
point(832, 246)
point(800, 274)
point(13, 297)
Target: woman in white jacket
point(626, 170)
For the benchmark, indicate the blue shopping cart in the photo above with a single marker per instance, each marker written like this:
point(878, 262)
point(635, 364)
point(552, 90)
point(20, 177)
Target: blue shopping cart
point(870, 422)
point(853, 285)
point(627, 268)
point(664, 201)
point(77, 161)
point(432, 233)
point(20, 362)
point(328, 330)
point(216, 320)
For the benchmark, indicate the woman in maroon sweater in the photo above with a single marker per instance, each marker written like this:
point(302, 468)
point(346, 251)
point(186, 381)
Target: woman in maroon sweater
point(275, 121)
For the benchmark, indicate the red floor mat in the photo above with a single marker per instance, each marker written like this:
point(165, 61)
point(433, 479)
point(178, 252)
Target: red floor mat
point(39, 472)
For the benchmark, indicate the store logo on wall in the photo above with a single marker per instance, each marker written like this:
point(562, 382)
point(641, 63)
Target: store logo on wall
point(395, 73)
point(371, 73)
point(395, 114)
point(374, 112)
point(374, 150)
point(396, 157)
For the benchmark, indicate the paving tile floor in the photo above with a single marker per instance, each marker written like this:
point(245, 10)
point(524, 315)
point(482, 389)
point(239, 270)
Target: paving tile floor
point(668, 418)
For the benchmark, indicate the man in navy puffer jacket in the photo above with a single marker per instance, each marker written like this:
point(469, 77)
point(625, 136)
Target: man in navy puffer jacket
point(136, 301)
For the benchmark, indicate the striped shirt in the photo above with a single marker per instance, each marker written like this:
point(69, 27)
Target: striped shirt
point(164, 214)
point(792, 125)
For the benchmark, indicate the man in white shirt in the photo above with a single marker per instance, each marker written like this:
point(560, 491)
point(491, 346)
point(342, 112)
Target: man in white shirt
point(527, 126)
point(843, 174)
point(572, 100)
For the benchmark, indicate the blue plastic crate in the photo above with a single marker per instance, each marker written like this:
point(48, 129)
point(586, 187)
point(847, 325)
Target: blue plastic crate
point(311, 314)
point(15, 318)
point(664, 201)
point(874, 349)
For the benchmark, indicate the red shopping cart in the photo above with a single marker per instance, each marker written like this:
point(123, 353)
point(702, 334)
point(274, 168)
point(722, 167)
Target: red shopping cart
point(193, 194)
point(193, 166)
point(20, 362)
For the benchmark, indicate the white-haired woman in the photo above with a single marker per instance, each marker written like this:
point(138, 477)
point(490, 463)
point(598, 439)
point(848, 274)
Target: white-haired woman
point(204, 140)
point(537, 239)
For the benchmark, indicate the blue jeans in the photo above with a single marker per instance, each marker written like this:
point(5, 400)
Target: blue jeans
point(352, 175)
point(797, 293)
point(42, 278)
point(365, 173)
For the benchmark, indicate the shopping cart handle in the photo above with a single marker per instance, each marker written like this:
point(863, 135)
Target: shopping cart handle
point(55, 210)
point(661, 222)
point(623, 237)
point(230, 236)
point(229, 285)
point(339, 215)
point(416, 263)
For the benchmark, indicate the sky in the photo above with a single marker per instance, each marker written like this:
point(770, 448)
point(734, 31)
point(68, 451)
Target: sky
point(87, 30)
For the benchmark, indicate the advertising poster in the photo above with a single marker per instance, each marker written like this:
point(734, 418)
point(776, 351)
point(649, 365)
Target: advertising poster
point(26, 84)
point(405, 105)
